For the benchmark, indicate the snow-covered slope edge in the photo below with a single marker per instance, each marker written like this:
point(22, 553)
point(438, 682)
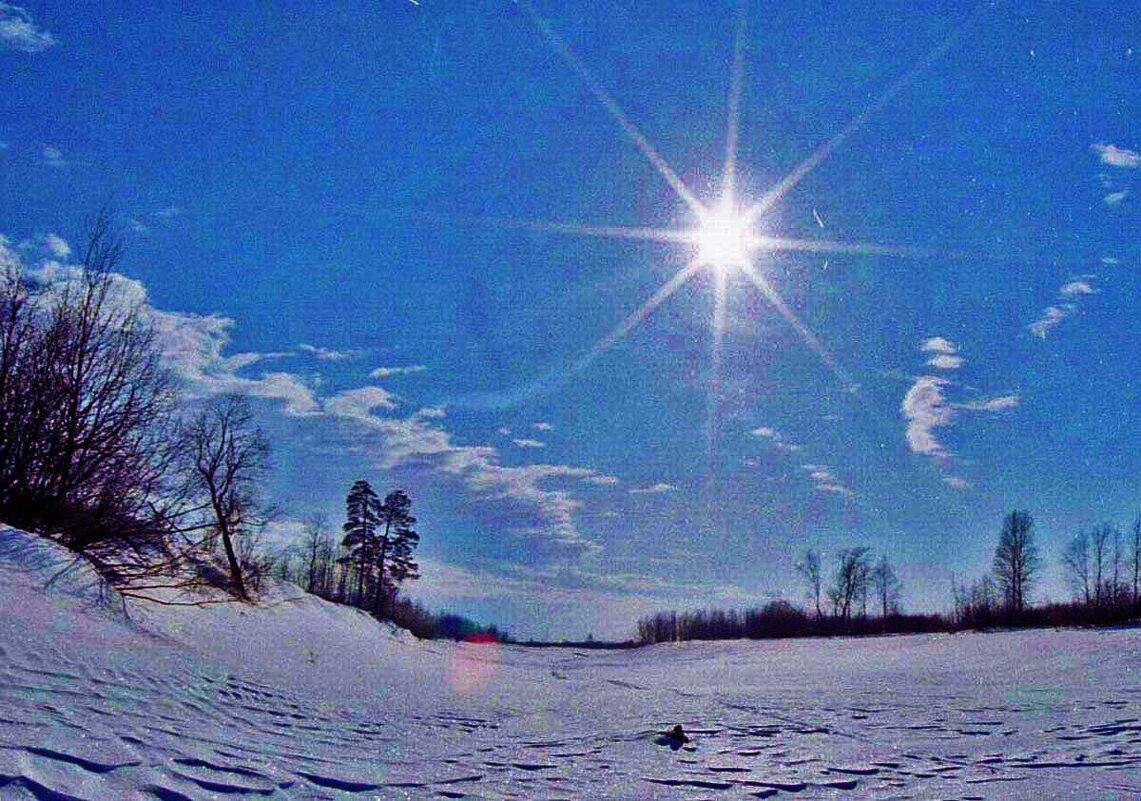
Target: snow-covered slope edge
point(59, 573)
point(235, 700)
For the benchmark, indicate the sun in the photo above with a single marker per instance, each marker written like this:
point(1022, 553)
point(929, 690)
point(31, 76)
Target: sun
point(724, 237)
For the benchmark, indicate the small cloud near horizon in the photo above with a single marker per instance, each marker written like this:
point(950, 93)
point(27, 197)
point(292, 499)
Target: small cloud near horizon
point(388, 372)
point(328, 354)
point(529, 443)
point(53, 157)
point(654, 489)
point(1116, 156)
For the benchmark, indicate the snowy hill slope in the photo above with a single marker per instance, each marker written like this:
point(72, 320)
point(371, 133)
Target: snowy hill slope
point(298, 698)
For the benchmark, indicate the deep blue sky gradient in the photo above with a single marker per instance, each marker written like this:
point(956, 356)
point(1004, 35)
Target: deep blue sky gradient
point(328, 175)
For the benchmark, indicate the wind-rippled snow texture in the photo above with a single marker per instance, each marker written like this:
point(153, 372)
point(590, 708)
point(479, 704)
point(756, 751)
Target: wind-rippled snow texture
point(302, 699)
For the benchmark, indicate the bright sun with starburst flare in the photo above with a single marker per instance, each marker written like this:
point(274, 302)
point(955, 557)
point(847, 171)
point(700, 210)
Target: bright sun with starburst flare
point(724, 238)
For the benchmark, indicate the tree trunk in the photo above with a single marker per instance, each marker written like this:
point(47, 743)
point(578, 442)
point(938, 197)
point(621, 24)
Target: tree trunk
point(235, 566)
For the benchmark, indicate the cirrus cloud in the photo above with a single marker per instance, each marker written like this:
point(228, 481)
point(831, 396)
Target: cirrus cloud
point(19, 32)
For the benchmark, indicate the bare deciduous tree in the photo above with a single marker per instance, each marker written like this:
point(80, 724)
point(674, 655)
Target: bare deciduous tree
point(1075, 561)
point(887, 586)
point(1016, 560)
point(228, 455)
point(318, 548)
point(809, 568)
point(1134, 558)
point(87, 406)
point(1106, 556)
point(850, 582)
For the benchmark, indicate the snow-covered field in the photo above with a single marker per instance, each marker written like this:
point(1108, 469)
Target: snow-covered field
point(298, 698)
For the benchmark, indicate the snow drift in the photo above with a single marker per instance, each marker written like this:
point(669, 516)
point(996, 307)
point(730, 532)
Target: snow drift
point(299, 698)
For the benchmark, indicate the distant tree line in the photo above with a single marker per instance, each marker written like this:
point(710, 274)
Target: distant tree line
point(863, 596)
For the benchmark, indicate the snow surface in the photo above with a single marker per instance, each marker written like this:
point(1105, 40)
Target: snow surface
point(298, 698)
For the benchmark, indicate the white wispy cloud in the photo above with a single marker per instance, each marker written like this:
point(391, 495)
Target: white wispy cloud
point(945, 353)
point(944, 361)
point(1051, 316)
point(956, 482)
point(193, 345)
point(654, 489)
point(388, 372)
point(542, 425)
point(997, 404)
point(1116, 156)
point(359, 403)
point(57, 246)
point(328, 354)
point(53, 157)
point(529, 443)
point(1115, 198)
point(777, 441)
point(1077, 287)
point(823, 480)
point(925, 408)
point(1068, 293)
point(48, 246)
point(18, 31)
point(167, 213)
point(518, 498)
point(938, 345)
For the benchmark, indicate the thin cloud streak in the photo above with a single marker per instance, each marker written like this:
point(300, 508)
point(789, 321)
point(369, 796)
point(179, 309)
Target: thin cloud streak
point(19, 32)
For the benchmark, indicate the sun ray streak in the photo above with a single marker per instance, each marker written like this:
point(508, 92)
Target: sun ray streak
point(612, 107)
point(733, 123)
point(635, 318)
point(600, 231)
point(806, 333)
point(825, 150)
point(774, 243)
point(719, 322)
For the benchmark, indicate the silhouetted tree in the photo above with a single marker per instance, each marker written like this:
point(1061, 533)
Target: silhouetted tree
point(1016, 560)
point(362, 518)
point(1134, 558)
point(318, 548)
point(809, 568)
point(1076, 562)
point(86, 404)
point(976, 606)
point(887, 586)
point(1101, 550)
point(398, 540)
point(229, 454)
point(850, 581)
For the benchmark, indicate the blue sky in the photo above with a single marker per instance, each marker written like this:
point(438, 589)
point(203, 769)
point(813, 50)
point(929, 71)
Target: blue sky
point(328, 211)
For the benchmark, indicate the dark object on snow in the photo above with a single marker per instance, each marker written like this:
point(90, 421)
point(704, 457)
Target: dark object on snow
point(675, 738)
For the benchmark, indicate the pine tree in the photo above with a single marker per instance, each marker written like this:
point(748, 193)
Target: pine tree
point(362, 521)
point(398, 541)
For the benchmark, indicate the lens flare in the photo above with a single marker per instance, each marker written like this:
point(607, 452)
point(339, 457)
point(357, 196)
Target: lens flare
point(724, 239)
